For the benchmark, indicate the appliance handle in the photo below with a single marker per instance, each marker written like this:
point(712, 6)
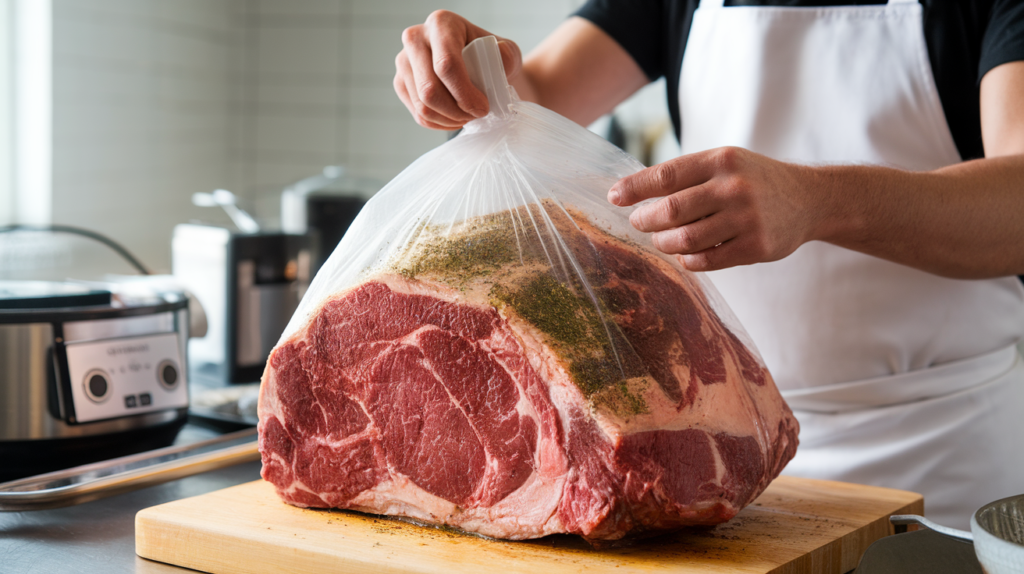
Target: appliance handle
point(115, 476)
point(903, 520)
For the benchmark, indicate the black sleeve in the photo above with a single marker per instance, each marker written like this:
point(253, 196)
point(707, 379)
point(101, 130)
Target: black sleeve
point(636, 26)
point(653, 32)
point(1004, 36)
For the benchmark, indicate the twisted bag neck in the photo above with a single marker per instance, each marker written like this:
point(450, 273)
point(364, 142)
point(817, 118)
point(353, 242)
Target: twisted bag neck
point(483, 62)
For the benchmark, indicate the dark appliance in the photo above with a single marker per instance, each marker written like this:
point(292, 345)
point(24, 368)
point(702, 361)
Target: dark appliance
point(328, 217)
point(322, 207)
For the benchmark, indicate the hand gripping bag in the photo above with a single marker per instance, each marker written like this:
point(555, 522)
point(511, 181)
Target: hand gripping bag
point(493, 347)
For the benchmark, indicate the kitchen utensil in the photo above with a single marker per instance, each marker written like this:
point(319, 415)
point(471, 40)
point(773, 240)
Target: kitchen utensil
point(907, 519)
point(797, 525)
point(997, 530)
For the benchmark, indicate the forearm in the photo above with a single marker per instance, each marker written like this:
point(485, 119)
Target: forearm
point(963, 221)
point(578, 71)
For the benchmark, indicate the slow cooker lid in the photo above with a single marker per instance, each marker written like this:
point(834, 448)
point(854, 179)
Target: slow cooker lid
point(49, 295)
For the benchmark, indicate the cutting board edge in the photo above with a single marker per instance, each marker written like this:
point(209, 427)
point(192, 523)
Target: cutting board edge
point(164, 523)
point(156, 525)
point(843, 554)
point(152, 534)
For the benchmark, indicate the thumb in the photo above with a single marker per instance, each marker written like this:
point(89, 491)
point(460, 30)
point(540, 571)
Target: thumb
point(511, 57)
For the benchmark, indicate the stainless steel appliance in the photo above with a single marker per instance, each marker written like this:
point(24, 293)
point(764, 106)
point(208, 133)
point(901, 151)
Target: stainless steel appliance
point(249, 284)
point(88, 373)
point(322, 207)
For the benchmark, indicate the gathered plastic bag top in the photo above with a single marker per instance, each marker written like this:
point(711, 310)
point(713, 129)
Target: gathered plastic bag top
point(500, 338)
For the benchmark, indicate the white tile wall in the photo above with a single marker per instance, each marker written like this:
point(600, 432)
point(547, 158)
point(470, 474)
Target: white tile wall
point(317, 85)
point(156, 99)
point(140, 115)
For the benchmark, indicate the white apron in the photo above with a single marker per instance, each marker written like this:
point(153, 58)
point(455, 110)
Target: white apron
point(898, 377)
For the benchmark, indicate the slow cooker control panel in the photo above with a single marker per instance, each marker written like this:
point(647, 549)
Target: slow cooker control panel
point(126, 376)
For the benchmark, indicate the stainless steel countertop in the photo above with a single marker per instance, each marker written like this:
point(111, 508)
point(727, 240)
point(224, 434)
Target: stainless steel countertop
point(99, 536)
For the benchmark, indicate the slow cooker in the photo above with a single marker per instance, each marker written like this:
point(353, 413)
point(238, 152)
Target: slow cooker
point(88, 373)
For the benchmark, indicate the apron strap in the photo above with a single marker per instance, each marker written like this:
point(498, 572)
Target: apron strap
point(907, 387)
point(720, 3)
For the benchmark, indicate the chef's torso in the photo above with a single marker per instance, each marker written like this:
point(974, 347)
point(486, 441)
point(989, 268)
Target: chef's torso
point(836, 85)
point(899, 378)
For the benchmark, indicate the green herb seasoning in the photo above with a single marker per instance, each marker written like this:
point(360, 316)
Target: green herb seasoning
point(510, 263)
point(554, 309)
point(470, 250)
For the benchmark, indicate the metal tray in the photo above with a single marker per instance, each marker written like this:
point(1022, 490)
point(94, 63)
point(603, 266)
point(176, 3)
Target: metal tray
point(98, 480)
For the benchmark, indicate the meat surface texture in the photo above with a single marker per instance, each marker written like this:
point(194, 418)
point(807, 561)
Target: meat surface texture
point(525, 400)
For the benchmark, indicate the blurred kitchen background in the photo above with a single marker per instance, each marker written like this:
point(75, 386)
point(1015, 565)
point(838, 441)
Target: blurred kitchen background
point(116, 111)
point(122, 116)
point(138, 120)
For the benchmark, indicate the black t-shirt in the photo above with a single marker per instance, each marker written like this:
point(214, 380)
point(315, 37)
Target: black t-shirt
point(965, 38)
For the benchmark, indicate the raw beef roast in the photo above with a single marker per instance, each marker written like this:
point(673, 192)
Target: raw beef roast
point(519, 384)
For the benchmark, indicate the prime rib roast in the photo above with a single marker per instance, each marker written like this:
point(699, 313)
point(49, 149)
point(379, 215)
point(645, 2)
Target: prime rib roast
point(518, 375)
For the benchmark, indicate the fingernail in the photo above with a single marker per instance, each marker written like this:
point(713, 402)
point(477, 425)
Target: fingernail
point(613, 197)
point(478, 113)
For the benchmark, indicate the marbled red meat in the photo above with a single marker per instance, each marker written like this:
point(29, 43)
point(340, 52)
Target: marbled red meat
point(406, 396)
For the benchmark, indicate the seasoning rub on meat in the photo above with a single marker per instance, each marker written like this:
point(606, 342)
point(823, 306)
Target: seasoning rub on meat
point(518, 375)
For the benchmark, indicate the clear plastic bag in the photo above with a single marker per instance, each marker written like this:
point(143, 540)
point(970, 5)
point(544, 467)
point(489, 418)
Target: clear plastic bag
point(512, 357)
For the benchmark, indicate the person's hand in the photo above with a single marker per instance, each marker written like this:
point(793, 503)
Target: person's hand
point(431, 77)
point(723, 207)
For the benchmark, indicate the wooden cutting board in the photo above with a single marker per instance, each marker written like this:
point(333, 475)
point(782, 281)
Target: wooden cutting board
point(797, 525)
